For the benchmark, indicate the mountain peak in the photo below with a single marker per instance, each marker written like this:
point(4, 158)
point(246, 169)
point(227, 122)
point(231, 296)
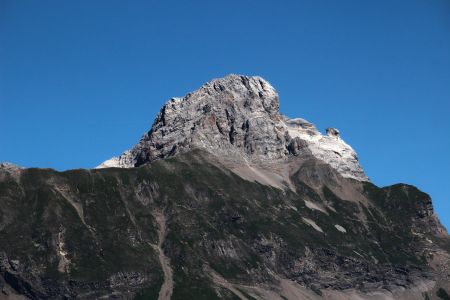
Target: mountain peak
point(237, 118)
point(241, 85)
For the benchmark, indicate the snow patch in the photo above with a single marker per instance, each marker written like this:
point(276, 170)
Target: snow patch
point(312, 224)
point(314, 206)
point(340, 228)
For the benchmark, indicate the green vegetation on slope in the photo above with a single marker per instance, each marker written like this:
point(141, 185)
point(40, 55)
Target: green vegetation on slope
point(82, 231)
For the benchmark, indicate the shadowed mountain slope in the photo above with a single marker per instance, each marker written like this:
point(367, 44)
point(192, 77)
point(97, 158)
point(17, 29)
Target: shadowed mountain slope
point(92, 233)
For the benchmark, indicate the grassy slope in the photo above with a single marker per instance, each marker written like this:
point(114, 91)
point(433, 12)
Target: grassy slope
point(215, 218)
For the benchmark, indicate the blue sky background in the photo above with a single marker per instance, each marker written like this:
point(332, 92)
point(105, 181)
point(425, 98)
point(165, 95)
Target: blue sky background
point(81, 81)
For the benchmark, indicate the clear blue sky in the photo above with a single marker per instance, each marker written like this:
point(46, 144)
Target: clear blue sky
point(81, 81)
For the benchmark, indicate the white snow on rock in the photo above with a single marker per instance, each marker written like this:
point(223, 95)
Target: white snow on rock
point(340, 228)
point(314, 206)
point(312, 224)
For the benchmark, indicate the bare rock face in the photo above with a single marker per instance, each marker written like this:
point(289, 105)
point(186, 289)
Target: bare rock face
point(237, 118)
point(333, 132)
point(9, 166)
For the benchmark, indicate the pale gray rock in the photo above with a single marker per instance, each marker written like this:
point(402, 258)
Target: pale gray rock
point(9, 166)
point(237, 118)
point(333, 132)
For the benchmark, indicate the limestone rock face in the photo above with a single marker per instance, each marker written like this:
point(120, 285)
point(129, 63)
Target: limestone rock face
point(237, 118)
point(9, 166)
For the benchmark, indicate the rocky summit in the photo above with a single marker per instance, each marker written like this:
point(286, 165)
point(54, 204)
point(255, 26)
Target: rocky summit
point(223, 198)
point(237, 119)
